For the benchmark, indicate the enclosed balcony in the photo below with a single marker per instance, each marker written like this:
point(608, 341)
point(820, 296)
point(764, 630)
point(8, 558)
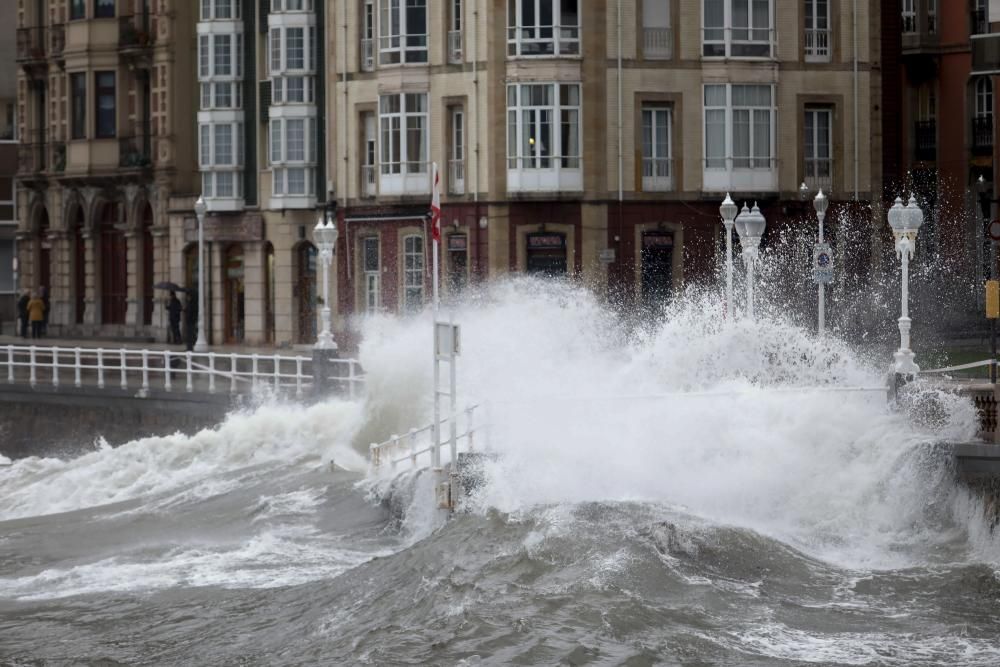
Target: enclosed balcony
point(32, 153)
point(135, 152)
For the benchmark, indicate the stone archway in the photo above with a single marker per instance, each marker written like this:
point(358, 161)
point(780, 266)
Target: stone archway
point(113, 262)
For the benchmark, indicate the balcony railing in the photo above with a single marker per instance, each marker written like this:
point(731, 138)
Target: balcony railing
point(819, 173)
point(368, 180)
point(31, 154)
point(58, 163)
point(454, 46)
point(817, 45)
point(925, 140)
point(547, 40)
point(909, 22)
point(456, 177)
point(982, 134)
point(368, 55)
point(135, 152)
point(657, 42)
point(30, 44)
point(134, 32)
point(657, 174)
point(57, 40)
point(978, 23)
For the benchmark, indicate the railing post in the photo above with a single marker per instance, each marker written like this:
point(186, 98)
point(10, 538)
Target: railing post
point(166, 370)
point(145, 370)
point(10, 364)
point(298, 376)
point(31, 362)
point(232, 373)
point(76, 368)
point(413, 447)
point(253, 371)
point(395, 443)
point(55, 366)
point(190, 380)
point(277, 373)
point(211, 372)
point(124, 368)
point(469, 429)
point(100, 368)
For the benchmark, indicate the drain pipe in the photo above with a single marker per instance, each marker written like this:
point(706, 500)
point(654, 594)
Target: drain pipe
point(347, 136)
point(620, 131)
point(857, 160)
point(475, 121)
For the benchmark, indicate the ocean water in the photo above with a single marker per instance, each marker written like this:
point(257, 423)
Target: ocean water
point(687, 492)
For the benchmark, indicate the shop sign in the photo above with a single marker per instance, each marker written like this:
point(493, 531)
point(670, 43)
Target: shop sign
point(458, 242)
point(231, 229)
point(546, 241)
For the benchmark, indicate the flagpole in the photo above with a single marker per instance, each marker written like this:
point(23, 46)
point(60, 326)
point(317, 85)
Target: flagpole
point(435, 231)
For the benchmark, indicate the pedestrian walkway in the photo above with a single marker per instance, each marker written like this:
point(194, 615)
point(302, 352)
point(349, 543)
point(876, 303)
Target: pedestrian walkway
point(94, 343)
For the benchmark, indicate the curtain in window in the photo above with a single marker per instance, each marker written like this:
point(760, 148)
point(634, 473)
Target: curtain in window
point(761, 139)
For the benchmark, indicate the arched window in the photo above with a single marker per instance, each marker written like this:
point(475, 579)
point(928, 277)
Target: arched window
point(984, 97)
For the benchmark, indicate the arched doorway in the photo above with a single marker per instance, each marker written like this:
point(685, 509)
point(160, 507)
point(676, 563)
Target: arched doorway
point(234, 283)
point(269, 296)
point(114, 264)
point(147, 264)
point(305, 292)
point(77, 231)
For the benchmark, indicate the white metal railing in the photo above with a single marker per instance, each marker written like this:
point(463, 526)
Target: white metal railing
point(419, 443)
point(817, 43)
point(657, 42)
point(368, 180)
point(454, 46)
point(456, 177)
point(165, 370)
point(543, 40)
point(367, 55)
point(657, 174)
point(819, 173)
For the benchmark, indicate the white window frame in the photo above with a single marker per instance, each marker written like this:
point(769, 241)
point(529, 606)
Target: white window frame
point(210, 10)
point(657, 31)
point(371, 285)
point(414, 268)
point(285, 165)
point(818, 32)
point(657, 169)
point(216, 86)
point(209, 165)
point(283, 72)
point(537, 40)
point(396, 46)
point(815, 164)
point(291, 6)
point(531, 166)
point(456, 152)
point(401, 173)
point(744, 173)
point(908, 16)
point(984, 97)
point(369, 35)
point(726, 35)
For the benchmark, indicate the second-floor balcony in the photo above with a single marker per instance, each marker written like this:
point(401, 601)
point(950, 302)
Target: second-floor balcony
point(925, 140)
point(818, 174)
point(134, 32)
point(657, 174)
point(32, 154)
point(367, 55)
point(657, 42)
point(31, 46)
point(456, 177)
point(454, 46)
point(982, 135)
point(135, 152)
point(817, 45)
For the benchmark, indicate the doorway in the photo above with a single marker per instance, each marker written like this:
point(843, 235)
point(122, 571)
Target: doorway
point(657, 257)
point(546, 254)
point(234, 293)
point(305, 292)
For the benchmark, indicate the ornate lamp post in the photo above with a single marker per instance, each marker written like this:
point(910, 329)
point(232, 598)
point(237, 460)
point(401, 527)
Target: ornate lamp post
point(728, 211)
point(325, 233)
point(905, 222)
point(821, 203)
point(201, 345)
point(750, 225)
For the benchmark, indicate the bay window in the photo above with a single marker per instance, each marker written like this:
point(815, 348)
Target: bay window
point(220, 68)
point(405, 144)
point(221, 159)
point(291, 6)
point(293, 159)
point(402, 31)
point(543, 137)
point(291, 64)
point(413, 273)
point(740, 137)
point(543, 27)
point(737, 29)
point(220, 10)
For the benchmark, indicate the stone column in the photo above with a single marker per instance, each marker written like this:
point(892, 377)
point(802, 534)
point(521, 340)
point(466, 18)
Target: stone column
point(215, 300)
point(61, 298)
point(254, 293)
point(284, 285)
point(91, 301)
point(133, 245)
point(161, 273)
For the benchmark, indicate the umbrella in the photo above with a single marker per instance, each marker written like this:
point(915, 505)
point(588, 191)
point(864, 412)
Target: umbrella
point(173, 287)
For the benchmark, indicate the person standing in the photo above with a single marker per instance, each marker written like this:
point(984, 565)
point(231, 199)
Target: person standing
point(22, 312)
point(45, 314)
point(174, 309)
point(191, 320)
point(36, 314)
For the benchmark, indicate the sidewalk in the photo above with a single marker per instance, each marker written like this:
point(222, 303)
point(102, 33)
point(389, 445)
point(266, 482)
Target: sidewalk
point(92, 343)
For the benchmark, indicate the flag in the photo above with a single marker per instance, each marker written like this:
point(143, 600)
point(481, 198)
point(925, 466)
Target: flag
point(436, 205)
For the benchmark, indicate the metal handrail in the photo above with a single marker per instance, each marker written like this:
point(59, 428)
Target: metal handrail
point(383, 453)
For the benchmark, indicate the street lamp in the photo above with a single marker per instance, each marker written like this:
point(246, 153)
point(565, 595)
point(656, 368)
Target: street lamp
point(750, 225)
point(820, 203)
point(728, 212)
point(803, 191)
point(905, 222)
point(201, 345)
point(325, 233)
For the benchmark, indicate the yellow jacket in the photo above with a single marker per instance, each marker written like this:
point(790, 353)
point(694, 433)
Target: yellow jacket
point(36, 310)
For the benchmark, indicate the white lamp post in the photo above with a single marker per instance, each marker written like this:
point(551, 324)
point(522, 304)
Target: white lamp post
point(201, 345)
point(821, 203)
point(750, 225)
point(905, 222)
point(325, 233)
point(728, 211)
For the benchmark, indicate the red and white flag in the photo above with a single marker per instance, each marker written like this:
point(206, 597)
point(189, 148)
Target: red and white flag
point(436, 205)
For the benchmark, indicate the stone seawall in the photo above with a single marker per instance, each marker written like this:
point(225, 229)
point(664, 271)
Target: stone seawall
point(66, 421)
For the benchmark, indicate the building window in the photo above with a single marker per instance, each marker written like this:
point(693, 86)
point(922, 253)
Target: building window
point(456, 159)
point(984, 97)
point(104, 87)
point(739, 137)
point(291, 6)
point(220, 10)
point(221, 157)
point(220, 68)
point(367, 56)
point(77, 10)
point(543, 136)
point(543, 27)
point(657, 36)
point(78, 93)
point(104, 9)
point(403, 123)
point(413, 273)
point(818, 130)
point(656, 149)
point(932, 16)
point(455, 32)
point(402, 31)
point(979, 20)
point(925, 128)
point(817, 27)
point(293, 157)
point(291, 65)
point(370, 264)
point(737, 29)
point(909, 16)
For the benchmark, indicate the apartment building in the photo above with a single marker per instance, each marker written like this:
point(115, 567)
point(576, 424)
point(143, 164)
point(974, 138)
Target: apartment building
point(588, 139)
point(105, 139)
point(8, 167)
